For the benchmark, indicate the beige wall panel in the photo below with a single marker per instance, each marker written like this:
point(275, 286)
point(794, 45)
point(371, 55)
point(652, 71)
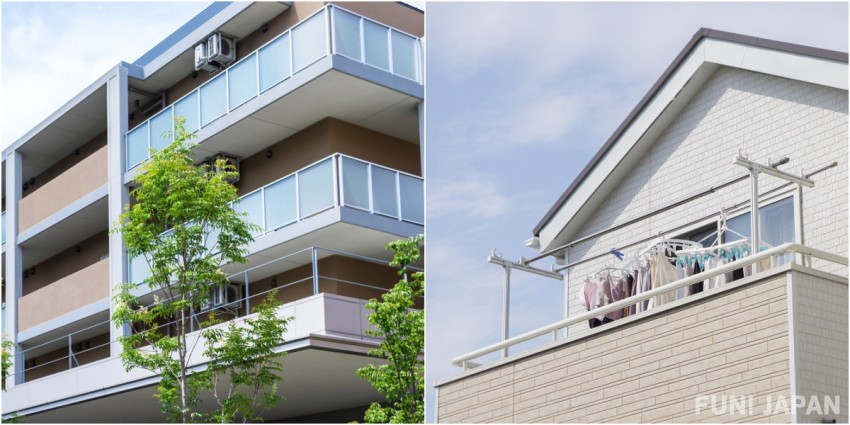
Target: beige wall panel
point(72, 184)
point(820, 345)
point(64, 164)
point(651, 370)
point(64, 295)
point(67, 262)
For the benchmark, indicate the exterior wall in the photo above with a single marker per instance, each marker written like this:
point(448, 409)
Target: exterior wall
point(71, 182)
point(651, 369)
point(820, 344)
point(765, 116)
point(56, 361)
point(65, 295)
point(319, 141)
point(68, 262)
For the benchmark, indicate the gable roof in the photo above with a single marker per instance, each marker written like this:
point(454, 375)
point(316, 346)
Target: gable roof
point(682, 70)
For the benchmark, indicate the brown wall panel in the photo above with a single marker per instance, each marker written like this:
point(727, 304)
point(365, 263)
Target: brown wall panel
point(57, 360)
point(78, 180)
point(67, 262)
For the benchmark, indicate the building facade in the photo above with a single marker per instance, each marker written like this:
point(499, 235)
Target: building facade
point(676, 182)
point(319, 104)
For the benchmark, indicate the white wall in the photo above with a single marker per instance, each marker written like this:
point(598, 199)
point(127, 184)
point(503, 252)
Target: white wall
point(766, 117)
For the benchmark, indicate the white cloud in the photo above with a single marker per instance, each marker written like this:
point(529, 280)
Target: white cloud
point(53, 51)
point(474, 196)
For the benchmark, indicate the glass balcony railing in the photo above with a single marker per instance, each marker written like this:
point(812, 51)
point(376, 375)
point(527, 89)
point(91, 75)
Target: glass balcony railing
point(338, 180)
point(3, 227)
point(353, 36)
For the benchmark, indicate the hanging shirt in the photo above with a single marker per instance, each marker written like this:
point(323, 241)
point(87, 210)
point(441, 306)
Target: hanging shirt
point(661, 273)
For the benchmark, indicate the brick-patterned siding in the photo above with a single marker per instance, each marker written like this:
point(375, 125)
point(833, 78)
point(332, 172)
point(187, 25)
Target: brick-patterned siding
point(765, 116)
point(734, 342)
point(820, 344)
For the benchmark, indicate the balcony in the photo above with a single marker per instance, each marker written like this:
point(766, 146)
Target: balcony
point(336, 181)
point(65, 295)
point(780, 333)
point(83, 178)
point(354, 37)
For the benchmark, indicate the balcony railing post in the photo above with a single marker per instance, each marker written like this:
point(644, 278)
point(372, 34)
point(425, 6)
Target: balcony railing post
point(315, 260)
point(247, 298)
point(70, 353)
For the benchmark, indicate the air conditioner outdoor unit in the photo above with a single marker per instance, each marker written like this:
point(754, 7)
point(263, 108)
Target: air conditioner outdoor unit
point(220, 49)
point(224, 298)
point(201, 62)
point(231, 160)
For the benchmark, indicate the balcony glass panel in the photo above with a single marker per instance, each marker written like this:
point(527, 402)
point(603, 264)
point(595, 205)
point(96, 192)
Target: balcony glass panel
point(412, 195)
point(375, 38)
point(252, 205)
point(355, 184)
point(139, 270)
point(161, 128)
point(275, 62)
point(137, 145)
point(404, 55)
point(213, 99)
point(315, 188)
point(347, 32)
point(281, 206)
point(384, 192)
point(188, 108)
point(243, 81)
point(3, 225)
point(308, 41)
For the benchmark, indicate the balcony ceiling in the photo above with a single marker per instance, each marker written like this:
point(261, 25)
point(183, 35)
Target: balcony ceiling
point(332, 94)
point(80, 226)
point(243, 24)
point(314, 381)
point(340, 236)
point(72, 129)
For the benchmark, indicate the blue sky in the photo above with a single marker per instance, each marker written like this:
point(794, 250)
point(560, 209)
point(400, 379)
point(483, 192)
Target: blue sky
point(52, 51)
point(519, 98)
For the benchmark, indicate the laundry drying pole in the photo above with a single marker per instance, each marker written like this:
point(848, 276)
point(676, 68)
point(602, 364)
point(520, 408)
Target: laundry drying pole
point(756, 168)
point(506, 294)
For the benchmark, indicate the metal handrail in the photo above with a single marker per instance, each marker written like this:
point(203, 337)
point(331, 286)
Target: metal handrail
point(464, 360)
point(245, 298)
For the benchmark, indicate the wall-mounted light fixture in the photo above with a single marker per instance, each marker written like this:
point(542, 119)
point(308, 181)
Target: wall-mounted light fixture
point(32, 271)
point(77, 152)
point(265, 28)
point(79, 248)
point(274, 283)
point(26, 186)
point(26, 274)
point(32, 181)
point(269, 153)
point(194, 74)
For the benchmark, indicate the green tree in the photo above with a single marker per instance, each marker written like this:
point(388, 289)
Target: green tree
point(402, 381)
point(248, 356)
point(8, 348)
point(182, 226)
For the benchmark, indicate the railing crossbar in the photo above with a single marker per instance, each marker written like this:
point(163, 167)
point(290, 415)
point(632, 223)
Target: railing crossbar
point(726, 268)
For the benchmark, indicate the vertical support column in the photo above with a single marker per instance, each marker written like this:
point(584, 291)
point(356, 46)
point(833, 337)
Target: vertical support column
point(14, 261)
point(420, 109)
point(506, 307)
point(118, 194)
point(566, 290)
point(754, 214)
point(315, 260)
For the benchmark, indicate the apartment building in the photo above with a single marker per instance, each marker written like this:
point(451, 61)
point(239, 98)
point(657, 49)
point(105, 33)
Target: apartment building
point(759, 331)
point(319, 104)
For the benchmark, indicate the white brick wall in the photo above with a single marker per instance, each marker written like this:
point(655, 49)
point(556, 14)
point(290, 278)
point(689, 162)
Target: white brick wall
point(820, 343)
point(649, 370)
point(766, 117)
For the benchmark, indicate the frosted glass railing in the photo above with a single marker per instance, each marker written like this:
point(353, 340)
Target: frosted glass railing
point(353, 36)
point(312, 189)
point(3, 224)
